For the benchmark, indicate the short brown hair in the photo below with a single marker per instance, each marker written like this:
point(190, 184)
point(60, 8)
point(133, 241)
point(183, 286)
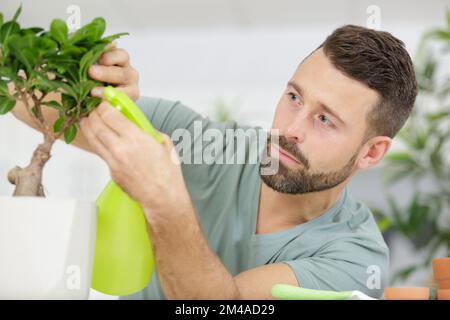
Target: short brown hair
point(381, 61)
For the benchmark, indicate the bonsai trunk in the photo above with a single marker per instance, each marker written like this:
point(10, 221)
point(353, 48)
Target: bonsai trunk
point(28, 180)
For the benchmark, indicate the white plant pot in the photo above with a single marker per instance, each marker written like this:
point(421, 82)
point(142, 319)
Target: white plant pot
point(46, 248)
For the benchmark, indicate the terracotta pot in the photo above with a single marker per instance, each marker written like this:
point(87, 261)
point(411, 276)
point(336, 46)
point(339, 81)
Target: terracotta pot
point(444, 284)
point(441, 272)
point(443, 294)
point(407, 293)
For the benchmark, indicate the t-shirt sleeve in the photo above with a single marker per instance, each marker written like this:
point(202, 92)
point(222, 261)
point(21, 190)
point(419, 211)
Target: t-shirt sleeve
point(345, 266)
point(168, 115)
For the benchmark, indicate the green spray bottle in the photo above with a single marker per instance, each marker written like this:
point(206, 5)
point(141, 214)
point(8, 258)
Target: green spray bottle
point(123, 260)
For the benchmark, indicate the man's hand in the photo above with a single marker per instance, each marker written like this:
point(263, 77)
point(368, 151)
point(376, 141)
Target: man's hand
point(114, 67)
point(145, 169)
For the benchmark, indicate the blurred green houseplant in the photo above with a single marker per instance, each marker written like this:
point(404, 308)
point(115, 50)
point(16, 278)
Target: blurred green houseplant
point(425, 156)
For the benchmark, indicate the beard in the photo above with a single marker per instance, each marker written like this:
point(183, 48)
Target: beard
point(300, 180)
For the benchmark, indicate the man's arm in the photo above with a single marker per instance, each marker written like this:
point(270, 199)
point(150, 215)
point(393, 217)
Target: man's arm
point(189, 269)
point(150, 173)
point(113, 67)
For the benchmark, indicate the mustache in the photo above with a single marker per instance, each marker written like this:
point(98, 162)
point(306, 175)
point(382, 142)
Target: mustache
point(292, 148)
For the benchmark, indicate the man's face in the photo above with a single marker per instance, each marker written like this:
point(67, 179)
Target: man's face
point(321, 118)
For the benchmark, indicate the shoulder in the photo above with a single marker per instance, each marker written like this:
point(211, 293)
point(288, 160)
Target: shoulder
point(360, 219)
point(356, 236)
point(146, 101)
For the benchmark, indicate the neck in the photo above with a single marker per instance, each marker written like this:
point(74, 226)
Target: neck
point(278, 211)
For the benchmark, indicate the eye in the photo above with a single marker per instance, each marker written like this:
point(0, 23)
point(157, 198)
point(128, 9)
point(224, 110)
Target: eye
point(324, 120)
point(293, 97)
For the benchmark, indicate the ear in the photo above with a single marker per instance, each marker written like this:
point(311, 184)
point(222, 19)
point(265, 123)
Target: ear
point(373, 152)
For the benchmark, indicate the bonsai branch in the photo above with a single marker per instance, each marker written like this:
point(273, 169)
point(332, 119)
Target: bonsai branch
point(38, 107)
point(24, 99)
point(28, 180)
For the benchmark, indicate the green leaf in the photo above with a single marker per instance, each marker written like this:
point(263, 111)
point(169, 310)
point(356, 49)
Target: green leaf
point(72, 50)
point(70, 133)
point(67, 88)
point(42, 83)
point(7, 72)
point(3, 88)
point(82, 34)
point(1, 19)
point(113, 37)
point(64, 65)
point(437, 115)
point(47, 85)
point(59, 31)
point(24, 49)
point(32, 31)
point(6, 104)
point(384, 224)
point(436, 156)
point(79, 35)
point(86, 87)
point(7, 30)
point(46, 46)
point(89, 58)
point(92, 102)
point(68, 101)
point(58, 124)
point(448, 18)
point(97, 29)
point(439, 34)
point(400, 156)
point(429, 70)
point(54, 104)
point(421, 139)
point(416, 212)
point(18, 11)
point(396, 213)
point(90, 33)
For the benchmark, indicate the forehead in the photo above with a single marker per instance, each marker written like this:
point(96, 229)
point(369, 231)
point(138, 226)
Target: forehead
point(322, 83)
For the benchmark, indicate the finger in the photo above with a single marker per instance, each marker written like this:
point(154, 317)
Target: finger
point(110, 74)
point(97, 91)
point(106, 135)
point(111, 45)
point(118, 57)
point(116, 121)
point(131, 91)
point(94, 142)
point(167, 141)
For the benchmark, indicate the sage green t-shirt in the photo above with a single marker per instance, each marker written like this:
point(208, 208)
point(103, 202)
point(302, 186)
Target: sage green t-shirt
point(342, 249)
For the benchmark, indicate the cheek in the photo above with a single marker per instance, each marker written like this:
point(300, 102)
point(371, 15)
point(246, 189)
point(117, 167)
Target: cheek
point(282, 116)
point(330, 154)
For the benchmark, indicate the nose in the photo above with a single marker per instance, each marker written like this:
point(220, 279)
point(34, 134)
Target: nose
point(296, 130)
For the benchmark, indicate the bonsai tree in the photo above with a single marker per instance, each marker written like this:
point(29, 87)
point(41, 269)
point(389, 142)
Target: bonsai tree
point(36, 62)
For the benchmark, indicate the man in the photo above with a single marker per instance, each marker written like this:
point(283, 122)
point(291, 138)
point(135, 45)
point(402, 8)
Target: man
point(227, 231)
